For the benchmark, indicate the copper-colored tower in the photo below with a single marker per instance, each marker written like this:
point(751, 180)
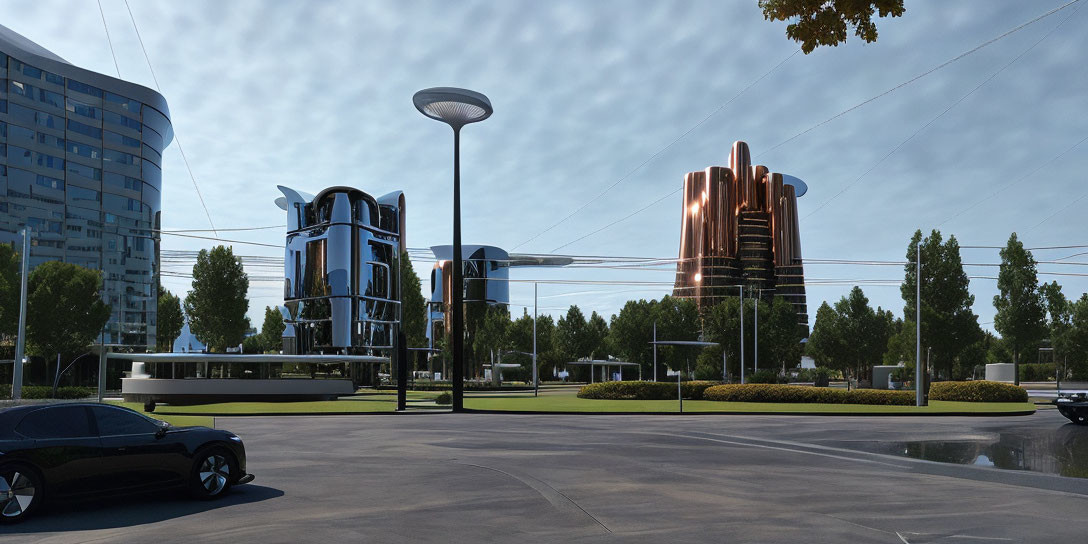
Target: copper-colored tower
point(739, 227)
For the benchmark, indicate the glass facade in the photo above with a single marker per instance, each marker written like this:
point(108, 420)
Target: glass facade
point(80, 163)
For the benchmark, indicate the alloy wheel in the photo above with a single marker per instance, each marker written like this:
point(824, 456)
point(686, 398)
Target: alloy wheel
point(214, 474)
point(16, 494)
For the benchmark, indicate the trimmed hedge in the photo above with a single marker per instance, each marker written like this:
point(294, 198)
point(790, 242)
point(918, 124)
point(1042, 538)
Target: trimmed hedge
point(977, 391)
point(1038, 372)
point(635, 390)
point(444, 398)
point(806, 394)
point(36, 392)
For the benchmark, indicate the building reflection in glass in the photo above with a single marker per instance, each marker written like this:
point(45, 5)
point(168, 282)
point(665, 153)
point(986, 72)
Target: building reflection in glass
point(342, 271)
point(80, 164)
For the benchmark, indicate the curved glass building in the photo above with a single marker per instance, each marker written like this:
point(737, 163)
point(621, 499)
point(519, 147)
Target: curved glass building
point(80, 163)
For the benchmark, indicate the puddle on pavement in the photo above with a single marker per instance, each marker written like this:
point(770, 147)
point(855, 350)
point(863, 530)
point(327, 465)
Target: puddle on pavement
point(1062, 451)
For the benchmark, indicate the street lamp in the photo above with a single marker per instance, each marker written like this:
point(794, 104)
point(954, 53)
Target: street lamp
point(456, 108)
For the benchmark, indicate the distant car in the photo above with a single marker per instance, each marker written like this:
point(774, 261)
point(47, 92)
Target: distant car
point(1074, 407)
point(83, 450)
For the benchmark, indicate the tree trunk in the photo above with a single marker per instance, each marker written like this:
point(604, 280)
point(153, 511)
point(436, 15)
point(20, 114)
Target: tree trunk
point(1015, 366)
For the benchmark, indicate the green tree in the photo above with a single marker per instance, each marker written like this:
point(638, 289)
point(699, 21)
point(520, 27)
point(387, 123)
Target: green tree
point(571, 340)
point(413, 306)
point(721, 324)
point(548, 359)
point(948, 325)
point(491, 336)
point(170, 320)
point(519, 337)
point(825, 22)
point(630, 333)
point(217, 305)
point(272, 329)
point(851, 337)
point(1077, 338)
point(1059, 322)
point(65, 312)
point(1020, 312)
point(677, 319)
point(10, 285)
point(779, 336)
point(597, 332)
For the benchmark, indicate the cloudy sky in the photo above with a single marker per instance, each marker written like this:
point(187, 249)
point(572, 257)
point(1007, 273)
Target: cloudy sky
point(591, 94)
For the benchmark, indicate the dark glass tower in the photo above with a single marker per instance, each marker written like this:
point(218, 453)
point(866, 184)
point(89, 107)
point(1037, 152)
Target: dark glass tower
point(80, 163)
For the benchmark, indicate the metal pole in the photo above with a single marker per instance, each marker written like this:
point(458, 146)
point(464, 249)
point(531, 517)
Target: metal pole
point(919, 385)
point(679, 396)
point(755, 355)
point(536, 375)
point(725, 364)
point(101, 371)
point(20, 340)
point(402, 371)
point(457, 284)
point(741, 334)
point(655, 351)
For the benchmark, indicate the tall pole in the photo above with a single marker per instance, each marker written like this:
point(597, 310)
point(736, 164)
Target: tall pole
point(20, 340)
point(741, 334)
point(919, 386)
point(755, 355)
point(655, 351)
point(457, 284)
point(536, 375)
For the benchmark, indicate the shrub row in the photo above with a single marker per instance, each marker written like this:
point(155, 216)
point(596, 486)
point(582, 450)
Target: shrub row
point(444, 398)
point(977, 391)
point(447, 386)
point(46, 392)
point(635, 390)
point(1038, 372)
point(806, 394)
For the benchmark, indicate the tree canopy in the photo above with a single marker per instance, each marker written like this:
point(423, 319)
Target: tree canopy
point(851, 336)
point(10, 285)
point(65, 312)
point(272, 329)
point(948, 324)
point(413, 306)
point(217, 305)
point(170, 320)
point(1020, 311)
point(826, 22)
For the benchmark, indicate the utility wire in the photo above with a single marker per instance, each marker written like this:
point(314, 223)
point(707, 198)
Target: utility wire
point(923, 74)
point(660, 151)
point(108, 39)
point(176, 138)
point(939, 115)
point(852, 108)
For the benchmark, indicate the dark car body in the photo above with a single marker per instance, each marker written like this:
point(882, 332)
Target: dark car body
point(1074, 407)
point(83, 449)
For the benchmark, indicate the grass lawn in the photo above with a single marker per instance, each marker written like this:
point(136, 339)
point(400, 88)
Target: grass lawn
point(565, 400)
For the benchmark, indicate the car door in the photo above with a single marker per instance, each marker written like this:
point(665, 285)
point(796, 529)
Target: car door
point(65, 448)
point(134, 453)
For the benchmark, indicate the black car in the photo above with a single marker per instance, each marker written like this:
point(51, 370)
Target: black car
point(78, 450)
point(1074, 407)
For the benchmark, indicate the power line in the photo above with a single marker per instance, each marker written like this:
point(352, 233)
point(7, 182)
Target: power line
point(108, 39)
point(939, 115)
point(659, 152)
point(176, 138)
point(1018, 180)
point(846, 111)
point(923, 74)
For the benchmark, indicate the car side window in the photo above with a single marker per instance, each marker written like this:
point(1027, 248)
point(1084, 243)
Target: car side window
point(114, 421)
point(56, 422)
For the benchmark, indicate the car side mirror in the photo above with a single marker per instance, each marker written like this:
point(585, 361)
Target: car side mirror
point(161, 432)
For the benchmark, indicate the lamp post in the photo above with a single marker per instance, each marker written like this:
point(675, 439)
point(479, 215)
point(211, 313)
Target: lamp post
point(456, 108)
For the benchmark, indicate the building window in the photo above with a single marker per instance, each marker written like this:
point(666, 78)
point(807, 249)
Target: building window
point(85, 171)
point(84, 150)
point(86, 130)
point(84, 88)
point(118, 139)
point(51, 98)
point(120, 157)
point(50, 140)
point(80, 108)
point(54, 78)
point(118, 119)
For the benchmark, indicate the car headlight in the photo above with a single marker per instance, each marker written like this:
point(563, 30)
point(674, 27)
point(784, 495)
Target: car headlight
point(235, 438)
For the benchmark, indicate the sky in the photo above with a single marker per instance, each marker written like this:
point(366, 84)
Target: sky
point(629, 94)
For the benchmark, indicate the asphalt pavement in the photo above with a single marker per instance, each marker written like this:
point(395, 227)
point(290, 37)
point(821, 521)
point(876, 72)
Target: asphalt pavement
point(620, 478)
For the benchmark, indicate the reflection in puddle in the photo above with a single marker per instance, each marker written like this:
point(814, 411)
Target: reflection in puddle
point(1062, 451)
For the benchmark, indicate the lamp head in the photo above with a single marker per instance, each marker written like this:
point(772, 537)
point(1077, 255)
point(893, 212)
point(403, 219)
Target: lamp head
point(453, 106)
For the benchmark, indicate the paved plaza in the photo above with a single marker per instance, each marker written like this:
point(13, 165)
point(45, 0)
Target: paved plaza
point(570, 478)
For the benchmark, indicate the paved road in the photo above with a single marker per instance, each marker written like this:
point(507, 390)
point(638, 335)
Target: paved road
point(537, 478)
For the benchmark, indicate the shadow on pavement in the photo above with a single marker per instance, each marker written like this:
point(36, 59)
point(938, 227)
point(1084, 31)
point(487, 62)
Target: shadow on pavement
point(129, 511)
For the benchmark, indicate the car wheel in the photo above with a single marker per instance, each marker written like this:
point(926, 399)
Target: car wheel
point(214, 470)
point(21, 492)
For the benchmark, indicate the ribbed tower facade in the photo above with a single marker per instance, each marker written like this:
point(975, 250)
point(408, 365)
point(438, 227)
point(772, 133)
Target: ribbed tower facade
point(739, 227)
